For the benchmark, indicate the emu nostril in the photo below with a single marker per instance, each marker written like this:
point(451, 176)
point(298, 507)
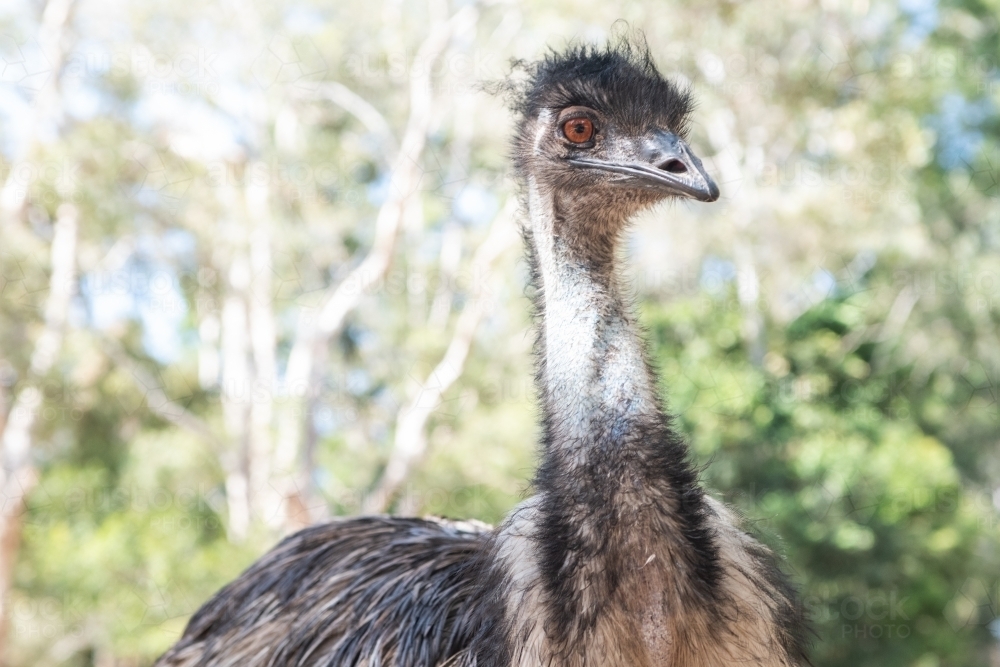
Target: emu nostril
point(674, 167)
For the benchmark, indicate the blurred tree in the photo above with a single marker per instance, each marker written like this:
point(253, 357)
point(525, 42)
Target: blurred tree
point(297, 296)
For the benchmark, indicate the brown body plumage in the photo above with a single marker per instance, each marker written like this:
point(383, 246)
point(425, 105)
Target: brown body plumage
point(619, 557)
point(342, 592)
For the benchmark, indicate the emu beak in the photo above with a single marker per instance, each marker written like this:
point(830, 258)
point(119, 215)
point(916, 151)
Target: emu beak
point(664, 162)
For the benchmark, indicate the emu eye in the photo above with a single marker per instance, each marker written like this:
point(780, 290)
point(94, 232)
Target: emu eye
point(578, 130)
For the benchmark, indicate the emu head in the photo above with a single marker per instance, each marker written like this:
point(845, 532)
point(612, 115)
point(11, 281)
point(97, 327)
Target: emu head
point(604, 129)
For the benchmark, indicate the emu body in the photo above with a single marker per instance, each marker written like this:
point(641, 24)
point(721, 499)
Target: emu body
point(373, 590)
point(620, 557)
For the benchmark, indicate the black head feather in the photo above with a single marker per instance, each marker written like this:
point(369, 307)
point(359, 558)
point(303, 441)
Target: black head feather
point(620, 80)
point(635, 115)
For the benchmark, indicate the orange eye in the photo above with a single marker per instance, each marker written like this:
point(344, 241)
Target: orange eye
point(578, 130)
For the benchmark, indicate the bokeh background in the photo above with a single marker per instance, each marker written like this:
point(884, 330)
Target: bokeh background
point(259, 267)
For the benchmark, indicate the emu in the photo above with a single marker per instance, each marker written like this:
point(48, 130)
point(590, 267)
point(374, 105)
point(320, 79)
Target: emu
point(620, 557)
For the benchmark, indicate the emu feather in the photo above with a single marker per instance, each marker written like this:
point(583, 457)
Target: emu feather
point(620, 557)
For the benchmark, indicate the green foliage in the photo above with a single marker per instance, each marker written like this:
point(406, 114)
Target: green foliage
point(128, 556)
point(828, 454)
point(837, 378)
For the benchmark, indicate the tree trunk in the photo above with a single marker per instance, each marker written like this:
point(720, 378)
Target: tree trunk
point(316, 329)
point(236, 396)
point(410, 443)
point(266, 502)
point(17, 472)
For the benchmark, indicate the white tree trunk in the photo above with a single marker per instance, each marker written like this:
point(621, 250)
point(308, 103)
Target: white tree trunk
point(316, 328)
point(46, 105)
point(236, 396)
point(17, 472)
point(266, 501)
point(410, 443)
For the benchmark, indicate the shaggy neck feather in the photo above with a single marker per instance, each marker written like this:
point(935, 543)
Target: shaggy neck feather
point(595, 380)
point(615, 538)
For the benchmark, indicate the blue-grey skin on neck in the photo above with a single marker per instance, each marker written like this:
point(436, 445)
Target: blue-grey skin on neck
point(593, 369)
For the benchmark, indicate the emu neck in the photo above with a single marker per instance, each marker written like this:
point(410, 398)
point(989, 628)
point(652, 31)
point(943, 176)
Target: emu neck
point(595, 383)
point(619, 522)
